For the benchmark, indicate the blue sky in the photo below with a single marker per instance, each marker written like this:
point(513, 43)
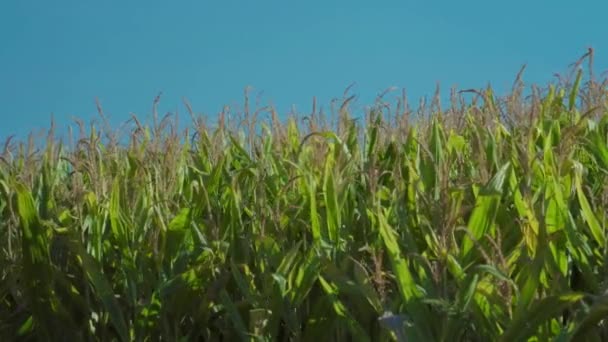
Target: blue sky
point(57, 57)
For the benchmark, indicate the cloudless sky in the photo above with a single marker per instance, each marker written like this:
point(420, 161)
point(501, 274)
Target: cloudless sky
point(58, 56)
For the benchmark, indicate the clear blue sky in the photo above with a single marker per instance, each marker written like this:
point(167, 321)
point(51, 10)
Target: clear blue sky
point(57, 56)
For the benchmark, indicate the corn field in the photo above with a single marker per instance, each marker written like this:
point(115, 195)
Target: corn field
point(484, 221)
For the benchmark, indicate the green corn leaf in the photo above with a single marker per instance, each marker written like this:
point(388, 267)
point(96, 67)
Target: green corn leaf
point(176, 232)
point(407, 284)
point(526, 325)
point(334, 221)
point(599, 149)
point(405, 280)
point(37, 276)
point(234, 315)
point(286, 265)
point(304, 277)
point(342, 312)
point(117, 223)
point(314, 214)
point(594, 226)
point(372, 138)
point(246, 289)
point(497, 274)
point(436, 144)
point(531, 275)
point(486, 208)
point(27, 327)
point(103, 290)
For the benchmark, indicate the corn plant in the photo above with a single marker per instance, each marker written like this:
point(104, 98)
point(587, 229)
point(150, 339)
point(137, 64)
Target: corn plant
point(486, 221)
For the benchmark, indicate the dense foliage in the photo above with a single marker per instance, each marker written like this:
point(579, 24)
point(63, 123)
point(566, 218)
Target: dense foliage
point(485, 221)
